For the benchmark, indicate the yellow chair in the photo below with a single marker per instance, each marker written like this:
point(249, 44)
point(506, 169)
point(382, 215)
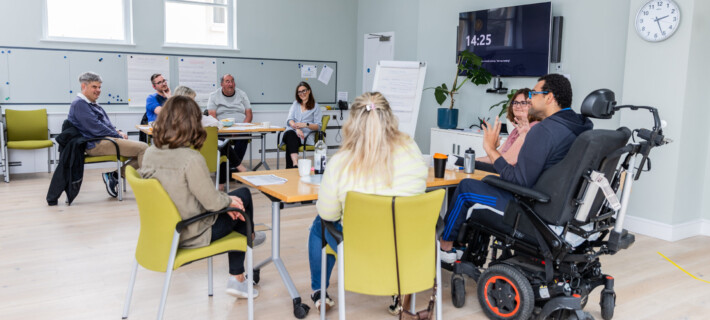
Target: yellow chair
point(26, 130)
point(319, 135)
point(366, 261)
point(210, 151)
point(157, 247)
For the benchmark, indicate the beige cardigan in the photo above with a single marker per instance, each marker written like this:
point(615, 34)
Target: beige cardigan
point(184, 175)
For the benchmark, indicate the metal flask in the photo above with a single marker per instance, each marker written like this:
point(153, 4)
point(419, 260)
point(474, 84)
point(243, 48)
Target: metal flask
point(469, 161)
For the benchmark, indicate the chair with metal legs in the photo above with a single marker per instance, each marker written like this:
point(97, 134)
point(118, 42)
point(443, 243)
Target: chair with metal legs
point(157, 247)
point(367, 262)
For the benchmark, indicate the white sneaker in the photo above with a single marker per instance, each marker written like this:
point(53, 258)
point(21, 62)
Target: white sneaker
point(447, 256)
point(239, 289)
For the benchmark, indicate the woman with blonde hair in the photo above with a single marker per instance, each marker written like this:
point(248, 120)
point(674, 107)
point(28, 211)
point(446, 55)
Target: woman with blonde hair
point(375, 158)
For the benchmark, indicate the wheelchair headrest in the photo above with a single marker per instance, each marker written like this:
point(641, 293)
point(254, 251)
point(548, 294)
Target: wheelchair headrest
point(599, 104)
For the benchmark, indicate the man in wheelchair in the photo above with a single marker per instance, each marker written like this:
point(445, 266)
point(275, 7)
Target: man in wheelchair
point(545, 230)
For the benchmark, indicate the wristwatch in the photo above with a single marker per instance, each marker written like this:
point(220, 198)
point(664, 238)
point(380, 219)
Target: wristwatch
point(307, 124)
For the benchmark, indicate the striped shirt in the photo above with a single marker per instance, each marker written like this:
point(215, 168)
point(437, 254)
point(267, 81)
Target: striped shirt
point(409, 178)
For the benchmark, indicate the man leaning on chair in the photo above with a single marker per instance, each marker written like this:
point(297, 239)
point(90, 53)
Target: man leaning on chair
point(92, 122)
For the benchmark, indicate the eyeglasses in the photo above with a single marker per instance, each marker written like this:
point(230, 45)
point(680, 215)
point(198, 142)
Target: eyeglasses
point(160, 82)
point(302, 91)
point(520, 103)
point(531, 93)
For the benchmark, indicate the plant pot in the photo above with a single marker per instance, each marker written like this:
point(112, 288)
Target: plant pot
point(447, 118)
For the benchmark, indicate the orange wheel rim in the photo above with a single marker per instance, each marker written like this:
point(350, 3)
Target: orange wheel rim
point(491, 282)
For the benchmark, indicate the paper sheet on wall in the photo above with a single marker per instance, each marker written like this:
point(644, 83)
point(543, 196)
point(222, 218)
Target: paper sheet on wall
point(199, 74)
point(140, 68)
point(401, 82)
point(309, 71)
point(325, 74)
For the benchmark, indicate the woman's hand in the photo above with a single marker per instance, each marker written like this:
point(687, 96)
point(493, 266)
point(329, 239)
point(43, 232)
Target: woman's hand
point(523, 125)
point(300, 134)
point(236, 203)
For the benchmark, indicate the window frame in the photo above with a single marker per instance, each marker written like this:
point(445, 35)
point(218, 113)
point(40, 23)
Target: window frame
point(231, 11)
point(127, 28)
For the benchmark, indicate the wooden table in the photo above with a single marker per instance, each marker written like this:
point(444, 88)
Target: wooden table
point(295, 191)
point(256, 131)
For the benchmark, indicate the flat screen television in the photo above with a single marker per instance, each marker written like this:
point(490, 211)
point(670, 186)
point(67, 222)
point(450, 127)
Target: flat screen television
point(512, 41)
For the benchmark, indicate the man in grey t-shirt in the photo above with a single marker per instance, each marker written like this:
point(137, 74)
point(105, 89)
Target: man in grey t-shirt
point(231, 102)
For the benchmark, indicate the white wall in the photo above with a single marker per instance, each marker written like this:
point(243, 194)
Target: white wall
point(670, 75)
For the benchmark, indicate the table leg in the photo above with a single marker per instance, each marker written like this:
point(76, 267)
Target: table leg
point(263, 154)
point(300, 310)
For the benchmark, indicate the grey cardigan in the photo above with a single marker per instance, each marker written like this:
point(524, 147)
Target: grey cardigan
point(184, 175)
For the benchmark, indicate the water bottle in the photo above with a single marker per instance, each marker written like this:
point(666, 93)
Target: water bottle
point(319, 157)
point(469, 161)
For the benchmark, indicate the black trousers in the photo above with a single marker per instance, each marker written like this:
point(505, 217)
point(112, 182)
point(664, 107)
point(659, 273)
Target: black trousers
point(224, 225)
point(292, 142)
point(235, 151)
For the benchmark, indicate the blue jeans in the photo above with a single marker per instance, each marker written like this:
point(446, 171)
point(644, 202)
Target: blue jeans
point(314, 253)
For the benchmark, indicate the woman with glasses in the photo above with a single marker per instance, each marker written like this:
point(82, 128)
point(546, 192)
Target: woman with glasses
point(522, 121)
point(303, 117)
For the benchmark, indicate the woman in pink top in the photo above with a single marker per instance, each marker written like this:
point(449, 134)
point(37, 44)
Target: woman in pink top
point(522, 121)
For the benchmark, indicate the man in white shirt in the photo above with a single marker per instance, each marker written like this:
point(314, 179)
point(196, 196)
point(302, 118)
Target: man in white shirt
point(231, 102)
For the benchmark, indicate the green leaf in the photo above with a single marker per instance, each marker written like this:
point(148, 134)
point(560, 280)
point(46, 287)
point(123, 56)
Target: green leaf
point(439, 95)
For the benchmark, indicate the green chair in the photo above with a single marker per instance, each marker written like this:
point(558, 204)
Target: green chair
point(319, 135)
point(118, 159)
point(160, 227)
point(366, 261)
point(26, 130)
point(210, 151)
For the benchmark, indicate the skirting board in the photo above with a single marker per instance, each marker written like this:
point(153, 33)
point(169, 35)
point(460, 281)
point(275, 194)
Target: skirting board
point(666, 231)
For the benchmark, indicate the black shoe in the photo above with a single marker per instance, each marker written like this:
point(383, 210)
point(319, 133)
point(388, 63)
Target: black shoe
point(394, 307)
point(329, 303)
point(111, 183)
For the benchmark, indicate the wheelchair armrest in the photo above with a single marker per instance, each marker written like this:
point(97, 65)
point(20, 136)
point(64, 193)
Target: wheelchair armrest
point(330, 226)
point(516, 189)
point(115, 144)
point(180, 226)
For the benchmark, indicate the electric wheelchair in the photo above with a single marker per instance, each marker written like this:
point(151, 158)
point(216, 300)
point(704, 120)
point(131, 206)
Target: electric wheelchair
point(544, 249)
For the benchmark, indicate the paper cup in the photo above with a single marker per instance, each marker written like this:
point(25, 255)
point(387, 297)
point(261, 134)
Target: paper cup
point(304, 167)
point(266, 124)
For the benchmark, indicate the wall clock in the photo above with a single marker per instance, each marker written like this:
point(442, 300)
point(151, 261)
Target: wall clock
point(657, 20)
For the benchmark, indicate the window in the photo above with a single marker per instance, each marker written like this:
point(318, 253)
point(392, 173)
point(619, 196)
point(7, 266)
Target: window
point(200, 23)
point(107, 21)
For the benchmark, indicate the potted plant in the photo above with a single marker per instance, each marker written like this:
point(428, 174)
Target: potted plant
point(468, 65)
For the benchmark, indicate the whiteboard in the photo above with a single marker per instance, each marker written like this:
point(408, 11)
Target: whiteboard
point(38, 76)
point(4, 77)
point(402, 82)
point(126, 76)
point(113, 88)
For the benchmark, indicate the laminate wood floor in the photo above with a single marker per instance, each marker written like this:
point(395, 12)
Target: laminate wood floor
point(74, 262)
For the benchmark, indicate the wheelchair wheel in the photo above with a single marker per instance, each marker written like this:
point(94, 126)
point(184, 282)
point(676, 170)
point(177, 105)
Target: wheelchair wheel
point(607, 303)
point(505, 293)
point(458, 290)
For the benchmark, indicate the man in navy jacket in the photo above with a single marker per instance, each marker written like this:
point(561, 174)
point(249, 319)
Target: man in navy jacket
point(545, 145)
point(92, 122)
